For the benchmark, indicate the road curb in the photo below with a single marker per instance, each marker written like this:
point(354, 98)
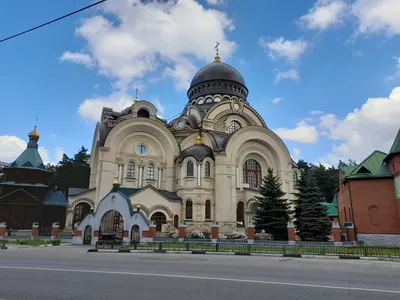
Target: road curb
point(251, 254)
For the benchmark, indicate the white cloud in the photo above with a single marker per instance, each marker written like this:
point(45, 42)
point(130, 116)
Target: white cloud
point(53, 135)
point(377, 16)
point(357, 53)
point(59, 151)
point(324, 14)
point(316, 112)
point(296, 152)
point(11, 147)
point(371, 127)
point(276, 100)
point(155, 35)
point(160, 108)
point(78, 58)
point(290, 50)
point(397, 74)
point(215, 2)
point(303, 133)
point(91, 108)
point(290, 74)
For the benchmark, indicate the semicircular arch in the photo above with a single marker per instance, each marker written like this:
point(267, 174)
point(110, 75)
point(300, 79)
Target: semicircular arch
point(161, 208)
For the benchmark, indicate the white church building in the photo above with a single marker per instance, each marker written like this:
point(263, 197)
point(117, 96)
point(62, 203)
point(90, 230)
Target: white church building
point(203, 166)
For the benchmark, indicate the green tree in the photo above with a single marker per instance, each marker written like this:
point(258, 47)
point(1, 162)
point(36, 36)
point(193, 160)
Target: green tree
point(312, 222)
point(72, 172)
point(272, 213)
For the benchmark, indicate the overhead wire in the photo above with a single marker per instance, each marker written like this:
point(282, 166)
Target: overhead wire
point(52, 21)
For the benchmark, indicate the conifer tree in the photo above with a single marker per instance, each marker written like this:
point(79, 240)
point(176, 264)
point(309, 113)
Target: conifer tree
point(272, 213)
point(312, 222)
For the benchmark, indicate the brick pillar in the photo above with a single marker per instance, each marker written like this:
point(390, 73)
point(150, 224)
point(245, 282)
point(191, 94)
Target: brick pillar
point(153, 230)
point(251, 233)
point(214, 232)
point(182, 231)
point(126, 239)
point(3, 229)
point(95, 237)
point(35, 230)
point(351, 236)
point(77, 239)
point(55, 229)
point(291, 233)
point(337, 238)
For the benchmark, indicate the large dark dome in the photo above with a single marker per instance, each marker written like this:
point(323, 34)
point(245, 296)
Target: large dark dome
point(217, 71)
point(217, 78)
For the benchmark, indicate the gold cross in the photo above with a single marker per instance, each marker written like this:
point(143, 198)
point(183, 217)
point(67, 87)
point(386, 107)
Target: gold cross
point(216, 47)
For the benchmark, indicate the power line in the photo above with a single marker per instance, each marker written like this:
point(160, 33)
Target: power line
point(52, 21)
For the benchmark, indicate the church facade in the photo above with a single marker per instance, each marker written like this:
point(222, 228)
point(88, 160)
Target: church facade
point(203, 166)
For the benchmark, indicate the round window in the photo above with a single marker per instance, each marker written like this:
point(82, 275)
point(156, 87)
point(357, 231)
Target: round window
point(141, 149)
point(180, 124)
point(236, 106)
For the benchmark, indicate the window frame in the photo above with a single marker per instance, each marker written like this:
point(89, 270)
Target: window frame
point(249, 170)
point(151, 171)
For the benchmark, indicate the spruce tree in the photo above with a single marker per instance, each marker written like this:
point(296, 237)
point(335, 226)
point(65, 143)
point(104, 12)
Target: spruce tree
point(312, 222)
point(272, 213)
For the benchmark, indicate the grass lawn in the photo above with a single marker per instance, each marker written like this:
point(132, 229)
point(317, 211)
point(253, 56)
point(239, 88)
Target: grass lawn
point(34, 243)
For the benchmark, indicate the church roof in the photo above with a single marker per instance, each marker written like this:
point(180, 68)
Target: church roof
point(30, 158)
point(55, 198)
point(199, 152)
point(13, 183)
point(371, 167)
point(395, 147)
point(131, 191)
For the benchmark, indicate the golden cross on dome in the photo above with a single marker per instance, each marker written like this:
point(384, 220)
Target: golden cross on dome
point(217, 58)
point(137, 92)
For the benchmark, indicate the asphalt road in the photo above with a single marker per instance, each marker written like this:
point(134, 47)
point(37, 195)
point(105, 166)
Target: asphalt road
point(69, 272)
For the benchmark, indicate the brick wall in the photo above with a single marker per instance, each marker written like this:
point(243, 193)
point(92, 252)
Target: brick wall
point(375, 208)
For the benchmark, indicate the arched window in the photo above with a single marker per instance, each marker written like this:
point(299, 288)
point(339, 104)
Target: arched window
point(373, 214)
point(189, 210)
point(207, 169)
point(130, 170)
point(143, 113)
point(176, 221)
point(159, 218)
point(240, 214)
point(252, 173)
point(295, 177)
point(150, 171)
point(208, 210)
point(190, 169)
point(233, 126)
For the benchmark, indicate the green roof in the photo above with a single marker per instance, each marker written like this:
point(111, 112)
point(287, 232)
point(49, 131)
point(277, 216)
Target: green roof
point(30, 158)
point(331, 210)
point(23, 184)
point(371, 167)
point(167, 194)
point(395, 147)
point(55, 198)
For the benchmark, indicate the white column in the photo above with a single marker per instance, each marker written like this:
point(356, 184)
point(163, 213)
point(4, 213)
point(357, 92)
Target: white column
point(198, 174)
point(182, 175)
point(120, 173)
point(140, 179)
point(121, 182)
point(159, 178)
point(237, 177)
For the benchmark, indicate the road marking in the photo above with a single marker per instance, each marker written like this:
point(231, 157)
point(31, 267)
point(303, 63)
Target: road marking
point(207, 278)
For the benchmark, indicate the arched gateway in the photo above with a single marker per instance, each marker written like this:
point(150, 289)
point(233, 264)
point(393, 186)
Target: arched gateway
point(114, 216)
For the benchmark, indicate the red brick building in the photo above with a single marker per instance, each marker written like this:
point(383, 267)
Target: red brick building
point(369, 198)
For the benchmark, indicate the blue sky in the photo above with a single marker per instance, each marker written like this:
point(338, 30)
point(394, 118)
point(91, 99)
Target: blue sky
point(323, 74)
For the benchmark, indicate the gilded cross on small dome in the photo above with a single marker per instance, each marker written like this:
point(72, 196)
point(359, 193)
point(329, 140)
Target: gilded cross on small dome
point(136, 97)
point(217, 58)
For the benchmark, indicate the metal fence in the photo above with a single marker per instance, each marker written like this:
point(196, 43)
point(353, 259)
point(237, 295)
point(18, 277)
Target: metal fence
point(244, 248)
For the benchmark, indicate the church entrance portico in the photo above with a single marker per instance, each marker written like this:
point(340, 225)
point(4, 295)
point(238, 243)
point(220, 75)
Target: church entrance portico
point(114, 220)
